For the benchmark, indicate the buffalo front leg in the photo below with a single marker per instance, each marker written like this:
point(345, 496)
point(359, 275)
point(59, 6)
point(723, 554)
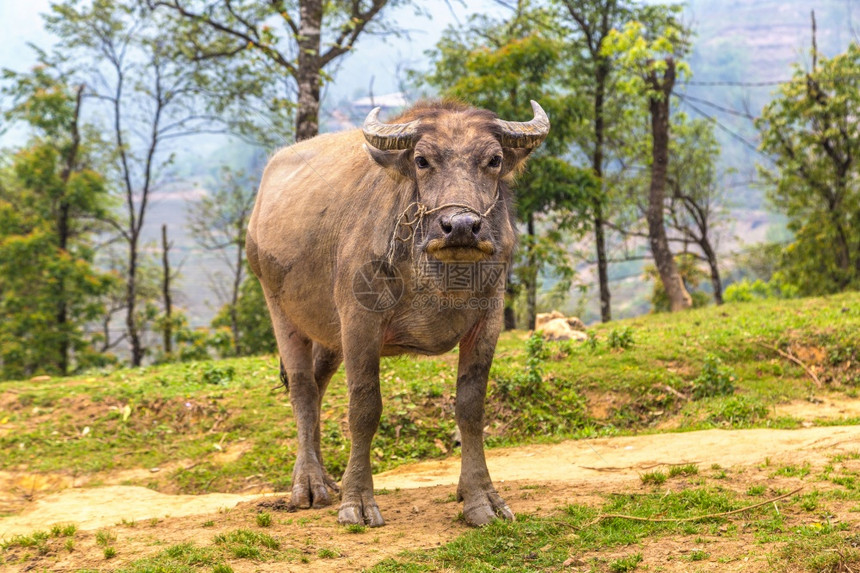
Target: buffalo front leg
point(361, 349)
point(481, 503)
point(309, 486)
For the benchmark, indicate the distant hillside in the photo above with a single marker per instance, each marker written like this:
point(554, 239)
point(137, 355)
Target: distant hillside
point(755, 42)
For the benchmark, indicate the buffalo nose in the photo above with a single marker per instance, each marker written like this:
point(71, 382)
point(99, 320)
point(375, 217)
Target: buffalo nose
point(462, 226)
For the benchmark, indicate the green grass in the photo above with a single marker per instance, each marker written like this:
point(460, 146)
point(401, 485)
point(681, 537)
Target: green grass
point(626, 564)
point(684, 470)
point(653, 478)
point(246, 544)
point(541, 543)
point(149, 417)
point(698, 369)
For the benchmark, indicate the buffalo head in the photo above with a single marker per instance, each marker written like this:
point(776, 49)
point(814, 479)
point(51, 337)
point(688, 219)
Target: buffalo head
point(458, 158)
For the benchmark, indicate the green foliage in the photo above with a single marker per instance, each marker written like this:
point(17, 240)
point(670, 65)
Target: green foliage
point(691, 274)
point(620, 338)
point(50, 197)
point(746, 291)
point(218, 223)
point(714, 380)
point(812, 132)
point(824, 551)
point(536, 353)
point(553, 406)
point(247, 544)
point(252, 318)
point(643, 46)
point(653, 478)
point(739, 411)
point(626, 564)
point(188, 344)
point(180, 558)
point(684, 470)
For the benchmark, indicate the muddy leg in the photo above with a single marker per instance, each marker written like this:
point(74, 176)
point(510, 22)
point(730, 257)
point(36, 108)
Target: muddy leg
point(361, 349)
point(481, 502)
point(295, 349)
point(326, 363)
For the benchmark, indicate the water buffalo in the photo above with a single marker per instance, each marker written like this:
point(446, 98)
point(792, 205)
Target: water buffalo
point(385, 240)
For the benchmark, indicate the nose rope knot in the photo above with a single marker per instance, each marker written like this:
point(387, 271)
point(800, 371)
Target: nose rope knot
point(421, 211)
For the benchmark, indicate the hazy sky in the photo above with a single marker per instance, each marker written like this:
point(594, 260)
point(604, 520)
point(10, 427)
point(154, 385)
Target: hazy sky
point(374, 56)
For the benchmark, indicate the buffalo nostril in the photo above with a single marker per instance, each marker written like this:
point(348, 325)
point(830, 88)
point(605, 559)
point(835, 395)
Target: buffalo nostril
point(446, 225)
point(476, 227)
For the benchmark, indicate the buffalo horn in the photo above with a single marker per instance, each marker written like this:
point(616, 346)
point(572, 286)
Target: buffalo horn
point(387, 136)
point(528, 134)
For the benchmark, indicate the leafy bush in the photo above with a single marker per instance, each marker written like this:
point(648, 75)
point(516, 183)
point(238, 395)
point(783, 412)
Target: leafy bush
point(715, 380)
point(739, 411)
point(621, 338)
point(746, 291)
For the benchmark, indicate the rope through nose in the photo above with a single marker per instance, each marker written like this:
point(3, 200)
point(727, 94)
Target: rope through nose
point(422, 211)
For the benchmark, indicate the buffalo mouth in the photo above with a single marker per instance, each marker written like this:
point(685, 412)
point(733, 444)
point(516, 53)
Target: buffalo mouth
point(441, 250)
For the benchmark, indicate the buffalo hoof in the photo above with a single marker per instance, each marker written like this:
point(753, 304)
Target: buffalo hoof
point(486, 508)
point(358, 513)
point(310, 489)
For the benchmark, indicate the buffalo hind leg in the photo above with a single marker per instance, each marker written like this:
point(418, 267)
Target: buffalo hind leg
point(481, 502)
point(296, 351)
point(326, 363)
point(361, 349)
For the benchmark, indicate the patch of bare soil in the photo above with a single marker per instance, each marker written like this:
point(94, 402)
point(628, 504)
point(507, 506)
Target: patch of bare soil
point(820, 409)
point(419, 512)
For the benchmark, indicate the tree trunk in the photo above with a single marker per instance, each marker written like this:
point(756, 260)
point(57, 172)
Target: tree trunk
point(64, 234)
point(679, 298)
point(597, 167)
point(510, 313)
point(531, 284)
point(308, 71)
point(62, 303)
point(716, 282)
point(165, 290)
point(234, 302)
point(131, 325)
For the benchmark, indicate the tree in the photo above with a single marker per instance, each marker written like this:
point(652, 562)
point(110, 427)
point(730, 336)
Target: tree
point(593, 21)
point(252, 319)
point(259, 56)
point(691, 274)
point(694, 206)
point(50, 198)
point(219, 222)
point(651, 56)
point(150, 98)
point(812, 132)
point(500, 67)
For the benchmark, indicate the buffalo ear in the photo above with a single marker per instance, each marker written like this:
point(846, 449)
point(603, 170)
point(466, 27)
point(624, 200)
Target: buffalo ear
point(514, 158)
point(397, 161)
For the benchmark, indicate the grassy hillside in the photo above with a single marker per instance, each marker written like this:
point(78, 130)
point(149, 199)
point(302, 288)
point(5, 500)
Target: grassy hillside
point(226, 425)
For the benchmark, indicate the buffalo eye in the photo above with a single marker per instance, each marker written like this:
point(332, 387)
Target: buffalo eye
point(421, 162)
point(495, 161)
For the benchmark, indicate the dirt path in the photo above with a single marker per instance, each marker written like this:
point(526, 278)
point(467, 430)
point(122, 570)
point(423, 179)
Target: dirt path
point(417, 506)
